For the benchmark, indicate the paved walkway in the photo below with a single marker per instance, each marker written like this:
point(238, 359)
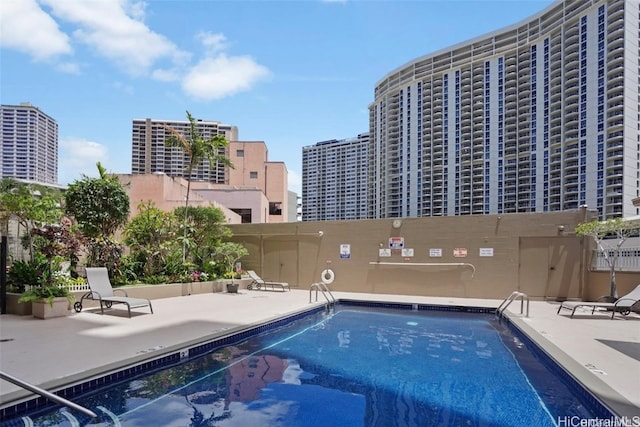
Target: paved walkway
point(603, 354)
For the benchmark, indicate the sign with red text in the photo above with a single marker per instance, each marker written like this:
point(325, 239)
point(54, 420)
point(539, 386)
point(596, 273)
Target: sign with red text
point(396, 242)
point(460, 252)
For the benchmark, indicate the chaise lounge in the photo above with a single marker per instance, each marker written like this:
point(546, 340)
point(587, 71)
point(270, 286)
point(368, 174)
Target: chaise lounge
point(101, 290)
point(623, 305)
point(258, 283)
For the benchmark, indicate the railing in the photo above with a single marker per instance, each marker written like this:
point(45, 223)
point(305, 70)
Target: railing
point(428, 264)
point(322, 287)
point(628, 260)
point(47, 395)
point(511, 298)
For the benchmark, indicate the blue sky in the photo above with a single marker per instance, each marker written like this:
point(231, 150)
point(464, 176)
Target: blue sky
point(290, 73)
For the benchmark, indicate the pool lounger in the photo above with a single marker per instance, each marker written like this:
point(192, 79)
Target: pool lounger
point(101, 290)
point(258, 283)
point(622, 305)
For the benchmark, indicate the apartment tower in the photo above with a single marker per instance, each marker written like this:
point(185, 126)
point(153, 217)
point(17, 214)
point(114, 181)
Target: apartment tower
point(29, 144)
point(540, 116)
point(335, 178)
point(151, 155)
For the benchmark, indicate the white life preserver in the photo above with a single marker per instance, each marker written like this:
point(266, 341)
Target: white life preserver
point(327, 276)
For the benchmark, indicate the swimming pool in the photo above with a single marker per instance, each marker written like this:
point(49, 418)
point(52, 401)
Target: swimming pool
point(354, 367)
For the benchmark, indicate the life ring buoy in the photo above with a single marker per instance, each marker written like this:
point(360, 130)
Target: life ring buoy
point(327, 276)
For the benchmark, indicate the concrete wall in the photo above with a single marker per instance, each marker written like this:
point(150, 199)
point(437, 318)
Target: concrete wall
point(534, 253)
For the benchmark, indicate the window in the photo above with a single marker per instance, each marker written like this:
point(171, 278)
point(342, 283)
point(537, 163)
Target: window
point(253, 175)
point(275, 208)
point(240, 153)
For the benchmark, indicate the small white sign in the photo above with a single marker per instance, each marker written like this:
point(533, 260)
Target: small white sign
point(384, 252)
point(435, 252)
point(486, 252)
point(345, 251)
point(407, 252)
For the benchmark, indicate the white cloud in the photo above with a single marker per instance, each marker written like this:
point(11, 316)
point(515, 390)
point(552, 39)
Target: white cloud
point(107, 28)
point(212, 42)
point(215, 78)
point(27, 28)
point(114, 29)
point(78, 157)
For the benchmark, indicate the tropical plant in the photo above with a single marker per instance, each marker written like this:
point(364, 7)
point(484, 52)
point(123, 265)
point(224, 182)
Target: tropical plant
point(26, 274)
point(197, 149)
point(615, 229)
point(99, 205)
point(230, 253)
point(30, 205)
point(206, 230)
point(151, 238)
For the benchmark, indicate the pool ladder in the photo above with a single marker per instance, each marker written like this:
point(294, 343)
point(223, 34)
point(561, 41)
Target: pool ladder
point(507, 301)
point(322, 287)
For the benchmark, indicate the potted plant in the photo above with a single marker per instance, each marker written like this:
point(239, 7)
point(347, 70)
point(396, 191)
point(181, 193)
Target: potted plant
point(48, 300)
point(230, 253)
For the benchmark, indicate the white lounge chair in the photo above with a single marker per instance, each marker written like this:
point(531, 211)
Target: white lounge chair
point(623, 305)
point(101, 290)
point(258, 283)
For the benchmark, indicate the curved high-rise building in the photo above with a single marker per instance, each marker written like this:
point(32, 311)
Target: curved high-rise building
point(539, 116)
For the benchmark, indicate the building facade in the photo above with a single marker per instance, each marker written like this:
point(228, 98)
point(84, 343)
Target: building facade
point(150, 154)
point(335, 179)
point(540, 116)
point(29, 144)
point(254, 189)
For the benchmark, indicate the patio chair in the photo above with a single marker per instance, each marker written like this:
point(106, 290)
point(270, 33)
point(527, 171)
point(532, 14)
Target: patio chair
point(101, 290)
point(623, 305)
point(259, 283)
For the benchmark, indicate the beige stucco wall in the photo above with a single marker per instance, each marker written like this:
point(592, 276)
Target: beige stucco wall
point(533, 253)
point(166, 193)
point(270, 177)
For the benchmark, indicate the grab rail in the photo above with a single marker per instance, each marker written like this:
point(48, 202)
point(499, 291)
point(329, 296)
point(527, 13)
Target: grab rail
point(428, 264)
point(322, 287)
point(47, 395)
point(511, 298)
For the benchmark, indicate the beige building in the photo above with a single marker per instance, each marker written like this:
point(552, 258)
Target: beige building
point(167, 193)
point(255, 190)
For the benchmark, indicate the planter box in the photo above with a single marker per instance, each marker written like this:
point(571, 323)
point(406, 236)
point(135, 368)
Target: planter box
point(43, 310)
point(15, 307)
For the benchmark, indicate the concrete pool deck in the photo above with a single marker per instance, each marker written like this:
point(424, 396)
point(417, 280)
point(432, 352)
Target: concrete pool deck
point(601, 353)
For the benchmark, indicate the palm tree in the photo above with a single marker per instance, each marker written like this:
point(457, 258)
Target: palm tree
point(197, 150)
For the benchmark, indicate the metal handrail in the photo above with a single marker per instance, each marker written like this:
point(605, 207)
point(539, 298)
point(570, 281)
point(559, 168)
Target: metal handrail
point(511, 298)
point(428, 264)
point(47, 395)
point(322, 287)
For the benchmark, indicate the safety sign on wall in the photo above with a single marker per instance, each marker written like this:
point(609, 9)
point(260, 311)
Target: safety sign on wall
point(345, 251)
point(396, 242)
point(460, 252)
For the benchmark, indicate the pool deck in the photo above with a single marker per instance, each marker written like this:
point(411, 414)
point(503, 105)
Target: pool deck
point(601, 353)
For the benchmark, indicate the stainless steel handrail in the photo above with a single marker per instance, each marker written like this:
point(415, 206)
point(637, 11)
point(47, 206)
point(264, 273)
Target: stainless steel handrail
point(322, 287)
point(47, 395)
point(511, 298)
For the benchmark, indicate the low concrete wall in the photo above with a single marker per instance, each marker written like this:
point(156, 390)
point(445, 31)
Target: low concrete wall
point(166, 290)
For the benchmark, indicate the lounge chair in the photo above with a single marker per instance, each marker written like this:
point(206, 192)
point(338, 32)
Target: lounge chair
point(101, 290)
point(623, 305)
point(258, 283)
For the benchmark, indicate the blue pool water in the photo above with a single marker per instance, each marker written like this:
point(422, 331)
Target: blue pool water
point(354, 367)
